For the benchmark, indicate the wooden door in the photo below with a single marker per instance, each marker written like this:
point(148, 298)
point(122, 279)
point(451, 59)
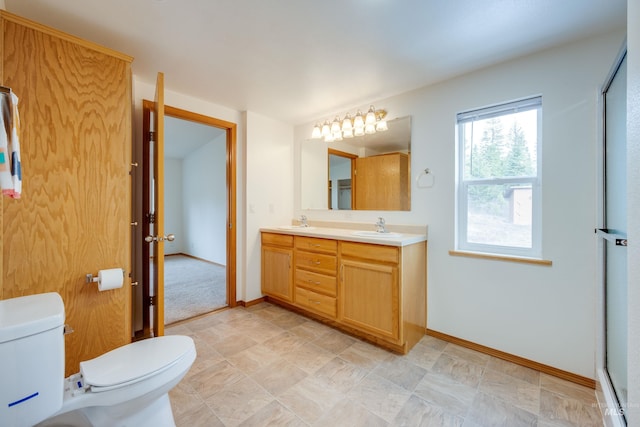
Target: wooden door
point(156, 236)
point(74, 215)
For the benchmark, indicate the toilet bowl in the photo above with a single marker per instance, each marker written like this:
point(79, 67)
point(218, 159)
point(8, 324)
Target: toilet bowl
point(127, 386)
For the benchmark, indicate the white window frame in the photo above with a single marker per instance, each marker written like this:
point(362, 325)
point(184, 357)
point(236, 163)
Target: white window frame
point(462, 184)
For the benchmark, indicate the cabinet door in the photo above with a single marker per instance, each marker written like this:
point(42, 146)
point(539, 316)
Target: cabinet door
point(277, 272)
point(75, 214)
point(369, 298)
point(382, 182)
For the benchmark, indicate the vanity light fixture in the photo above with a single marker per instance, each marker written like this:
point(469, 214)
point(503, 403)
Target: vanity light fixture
point(374, 121)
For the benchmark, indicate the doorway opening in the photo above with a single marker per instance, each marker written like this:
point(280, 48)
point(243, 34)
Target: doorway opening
point(199, 212)
point(195, 212)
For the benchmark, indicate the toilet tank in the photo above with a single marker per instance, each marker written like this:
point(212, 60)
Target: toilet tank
point(31, 358)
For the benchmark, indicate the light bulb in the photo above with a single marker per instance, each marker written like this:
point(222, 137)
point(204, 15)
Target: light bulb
point(317, 133)
point(335, 125)
point(326, 130)
point(358, 121)
point(346, 123)
point(369, 129)
point(371, 116)
point(381, 126)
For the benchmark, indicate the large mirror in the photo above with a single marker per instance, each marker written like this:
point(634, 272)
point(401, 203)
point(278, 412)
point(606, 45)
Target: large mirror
point(370, 172)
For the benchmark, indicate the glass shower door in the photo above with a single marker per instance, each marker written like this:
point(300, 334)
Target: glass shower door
point(615, 233)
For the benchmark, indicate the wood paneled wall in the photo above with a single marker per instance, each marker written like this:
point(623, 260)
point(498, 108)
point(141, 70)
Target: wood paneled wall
point(74, 214)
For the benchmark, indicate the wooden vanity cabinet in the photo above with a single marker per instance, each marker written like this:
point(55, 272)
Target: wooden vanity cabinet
point(316, 264)
point(277, 266)
point(376, 292)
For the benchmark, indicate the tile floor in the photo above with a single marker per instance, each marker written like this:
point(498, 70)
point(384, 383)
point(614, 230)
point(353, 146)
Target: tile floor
point(266, 366)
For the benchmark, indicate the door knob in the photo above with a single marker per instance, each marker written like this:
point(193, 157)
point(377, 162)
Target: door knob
point(168, 237)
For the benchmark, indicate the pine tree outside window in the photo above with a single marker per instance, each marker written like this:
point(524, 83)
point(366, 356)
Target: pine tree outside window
point(498, 204)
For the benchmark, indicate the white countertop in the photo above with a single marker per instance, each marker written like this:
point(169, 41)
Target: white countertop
point(395, 238)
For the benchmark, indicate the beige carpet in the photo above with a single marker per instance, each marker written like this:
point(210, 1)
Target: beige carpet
point(192, 287)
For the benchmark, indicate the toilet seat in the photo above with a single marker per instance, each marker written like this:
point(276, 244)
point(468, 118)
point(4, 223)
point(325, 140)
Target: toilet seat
point(134, 362)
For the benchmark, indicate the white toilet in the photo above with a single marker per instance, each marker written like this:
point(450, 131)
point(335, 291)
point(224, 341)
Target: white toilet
point(127, 386)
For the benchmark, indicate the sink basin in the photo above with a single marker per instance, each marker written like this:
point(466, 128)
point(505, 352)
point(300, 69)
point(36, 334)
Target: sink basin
point(376, 234)
point(295, 227)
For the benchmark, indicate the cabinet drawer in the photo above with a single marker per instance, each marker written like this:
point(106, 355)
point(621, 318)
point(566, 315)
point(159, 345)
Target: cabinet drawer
point(368, 251)
point(316, 282)
point(277, 239)
point(316, 302)
point(313, 244)
point(320, 263)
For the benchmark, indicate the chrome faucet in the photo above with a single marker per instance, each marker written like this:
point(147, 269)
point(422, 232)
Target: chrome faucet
point(380, 228)
point(303, 221)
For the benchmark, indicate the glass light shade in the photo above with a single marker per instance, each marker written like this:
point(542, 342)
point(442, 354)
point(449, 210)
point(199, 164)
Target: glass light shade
point(381, 126)
point(346, 123)
point(348, 133)
point(337, 136)
point(317, 133)
point(369, 129)
point(328, 138)
point(371, 116)
point(335, 125)
point(358, 121)
point(358, 131)
point(326, 130)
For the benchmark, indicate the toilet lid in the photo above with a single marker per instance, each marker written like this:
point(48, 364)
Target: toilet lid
point(135, 361)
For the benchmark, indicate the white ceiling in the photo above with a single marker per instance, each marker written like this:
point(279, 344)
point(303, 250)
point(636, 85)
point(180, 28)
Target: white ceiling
point(303, 60)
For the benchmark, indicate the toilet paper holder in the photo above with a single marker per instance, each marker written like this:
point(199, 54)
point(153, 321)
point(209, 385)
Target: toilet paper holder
point(90, 278)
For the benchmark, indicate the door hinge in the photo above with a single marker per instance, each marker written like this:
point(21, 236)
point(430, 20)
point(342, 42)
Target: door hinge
point(152, 136)
point(152, 300)
point(151, 217)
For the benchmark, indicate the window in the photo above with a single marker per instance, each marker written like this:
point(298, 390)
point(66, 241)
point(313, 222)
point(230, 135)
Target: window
point(498, 188)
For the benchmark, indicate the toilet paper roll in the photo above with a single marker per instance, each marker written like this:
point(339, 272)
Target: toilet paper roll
point(110, 279)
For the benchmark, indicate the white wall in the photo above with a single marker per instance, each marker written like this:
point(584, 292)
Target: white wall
point(545, 314)
point(174, 220)
point(269, 187)
point(633, 206)
point(204, 207)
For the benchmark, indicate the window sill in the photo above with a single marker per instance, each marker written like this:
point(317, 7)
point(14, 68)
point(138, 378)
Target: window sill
point(495, 257)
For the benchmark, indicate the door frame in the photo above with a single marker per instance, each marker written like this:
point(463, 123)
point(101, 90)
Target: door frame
point(353, 157)
point(231, 160)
